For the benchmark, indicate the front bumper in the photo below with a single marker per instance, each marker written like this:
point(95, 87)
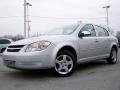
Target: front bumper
point(30, 60)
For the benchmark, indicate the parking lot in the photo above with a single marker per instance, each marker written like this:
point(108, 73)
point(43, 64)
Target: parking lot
point(91, 76)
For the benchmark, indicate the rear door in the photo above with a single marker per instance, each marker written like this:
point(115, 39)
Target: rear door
point(102, 41)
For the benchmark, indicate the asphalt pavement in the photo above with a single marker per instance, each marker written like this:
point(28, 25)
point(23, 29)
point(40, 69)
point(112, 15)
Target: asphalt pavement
point(90, 76)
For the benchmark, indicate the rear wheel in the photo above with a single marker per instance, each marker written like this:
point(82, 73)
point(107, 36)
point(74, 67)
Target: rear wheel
point(65, 63)
point(113, 57)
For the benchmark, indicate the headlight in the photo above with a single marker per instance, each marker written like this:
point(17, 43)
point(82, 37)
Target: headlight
point(38, 46)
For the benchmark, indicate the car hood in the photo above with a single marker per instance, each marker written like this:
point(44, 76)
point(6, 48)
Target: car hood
point(51, 38)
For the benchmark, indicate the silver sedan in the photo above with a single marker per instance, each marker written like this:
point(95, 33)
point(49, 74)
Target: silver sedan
point(62, 49)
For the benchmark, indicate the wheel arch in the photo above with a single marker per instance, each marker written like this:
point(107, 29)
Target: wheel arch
point(68, 48)
point(115, 46)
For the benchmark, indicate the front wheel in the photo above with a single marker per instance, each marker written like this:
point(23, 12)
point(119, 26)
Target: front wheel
point(113, 57)
point(65, 63)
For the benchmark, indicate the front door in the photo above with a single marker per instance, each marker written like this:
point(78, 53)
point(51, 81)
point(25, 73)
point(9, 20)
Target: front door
point(87, 44)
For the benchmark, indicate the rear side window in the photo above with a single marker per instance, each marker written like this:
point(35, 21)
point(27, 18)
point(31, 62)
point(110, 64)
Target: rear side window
point(101, 31)
point(4, 41)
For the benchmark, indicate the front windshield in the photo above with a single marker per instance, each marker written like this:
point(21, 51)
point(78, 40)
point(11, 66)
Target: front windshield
point(66, 30)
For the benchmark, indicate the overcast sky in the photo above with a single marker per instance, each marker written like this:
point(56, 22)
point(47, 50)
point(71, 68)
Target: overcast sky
point(46, 14)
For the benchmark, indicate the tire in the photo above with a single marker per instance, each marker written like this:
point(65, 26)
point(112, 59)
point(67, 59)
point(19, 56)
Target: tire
point(65, 63)
point(113, 56)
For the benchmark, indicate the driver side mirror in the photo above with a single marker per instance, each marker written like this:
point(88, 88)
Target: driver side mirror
point(84, 33)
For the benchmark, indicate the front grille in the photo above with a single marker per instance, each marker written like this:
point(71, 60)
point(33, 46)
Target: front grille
point(14, 48)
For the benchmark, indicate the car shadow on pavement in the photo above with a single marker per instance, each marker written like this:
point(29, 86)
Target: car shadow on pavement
point(91, 65)
point(48, 73)
point(31, 74)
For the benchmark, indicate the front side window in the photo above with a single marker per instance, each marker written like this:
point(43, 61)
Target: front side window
point(90, 28)
point(101, 31)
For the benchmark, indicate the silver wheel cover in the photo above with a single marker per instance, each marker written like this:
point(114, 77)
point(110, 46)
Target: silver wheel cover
point(63, 64)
